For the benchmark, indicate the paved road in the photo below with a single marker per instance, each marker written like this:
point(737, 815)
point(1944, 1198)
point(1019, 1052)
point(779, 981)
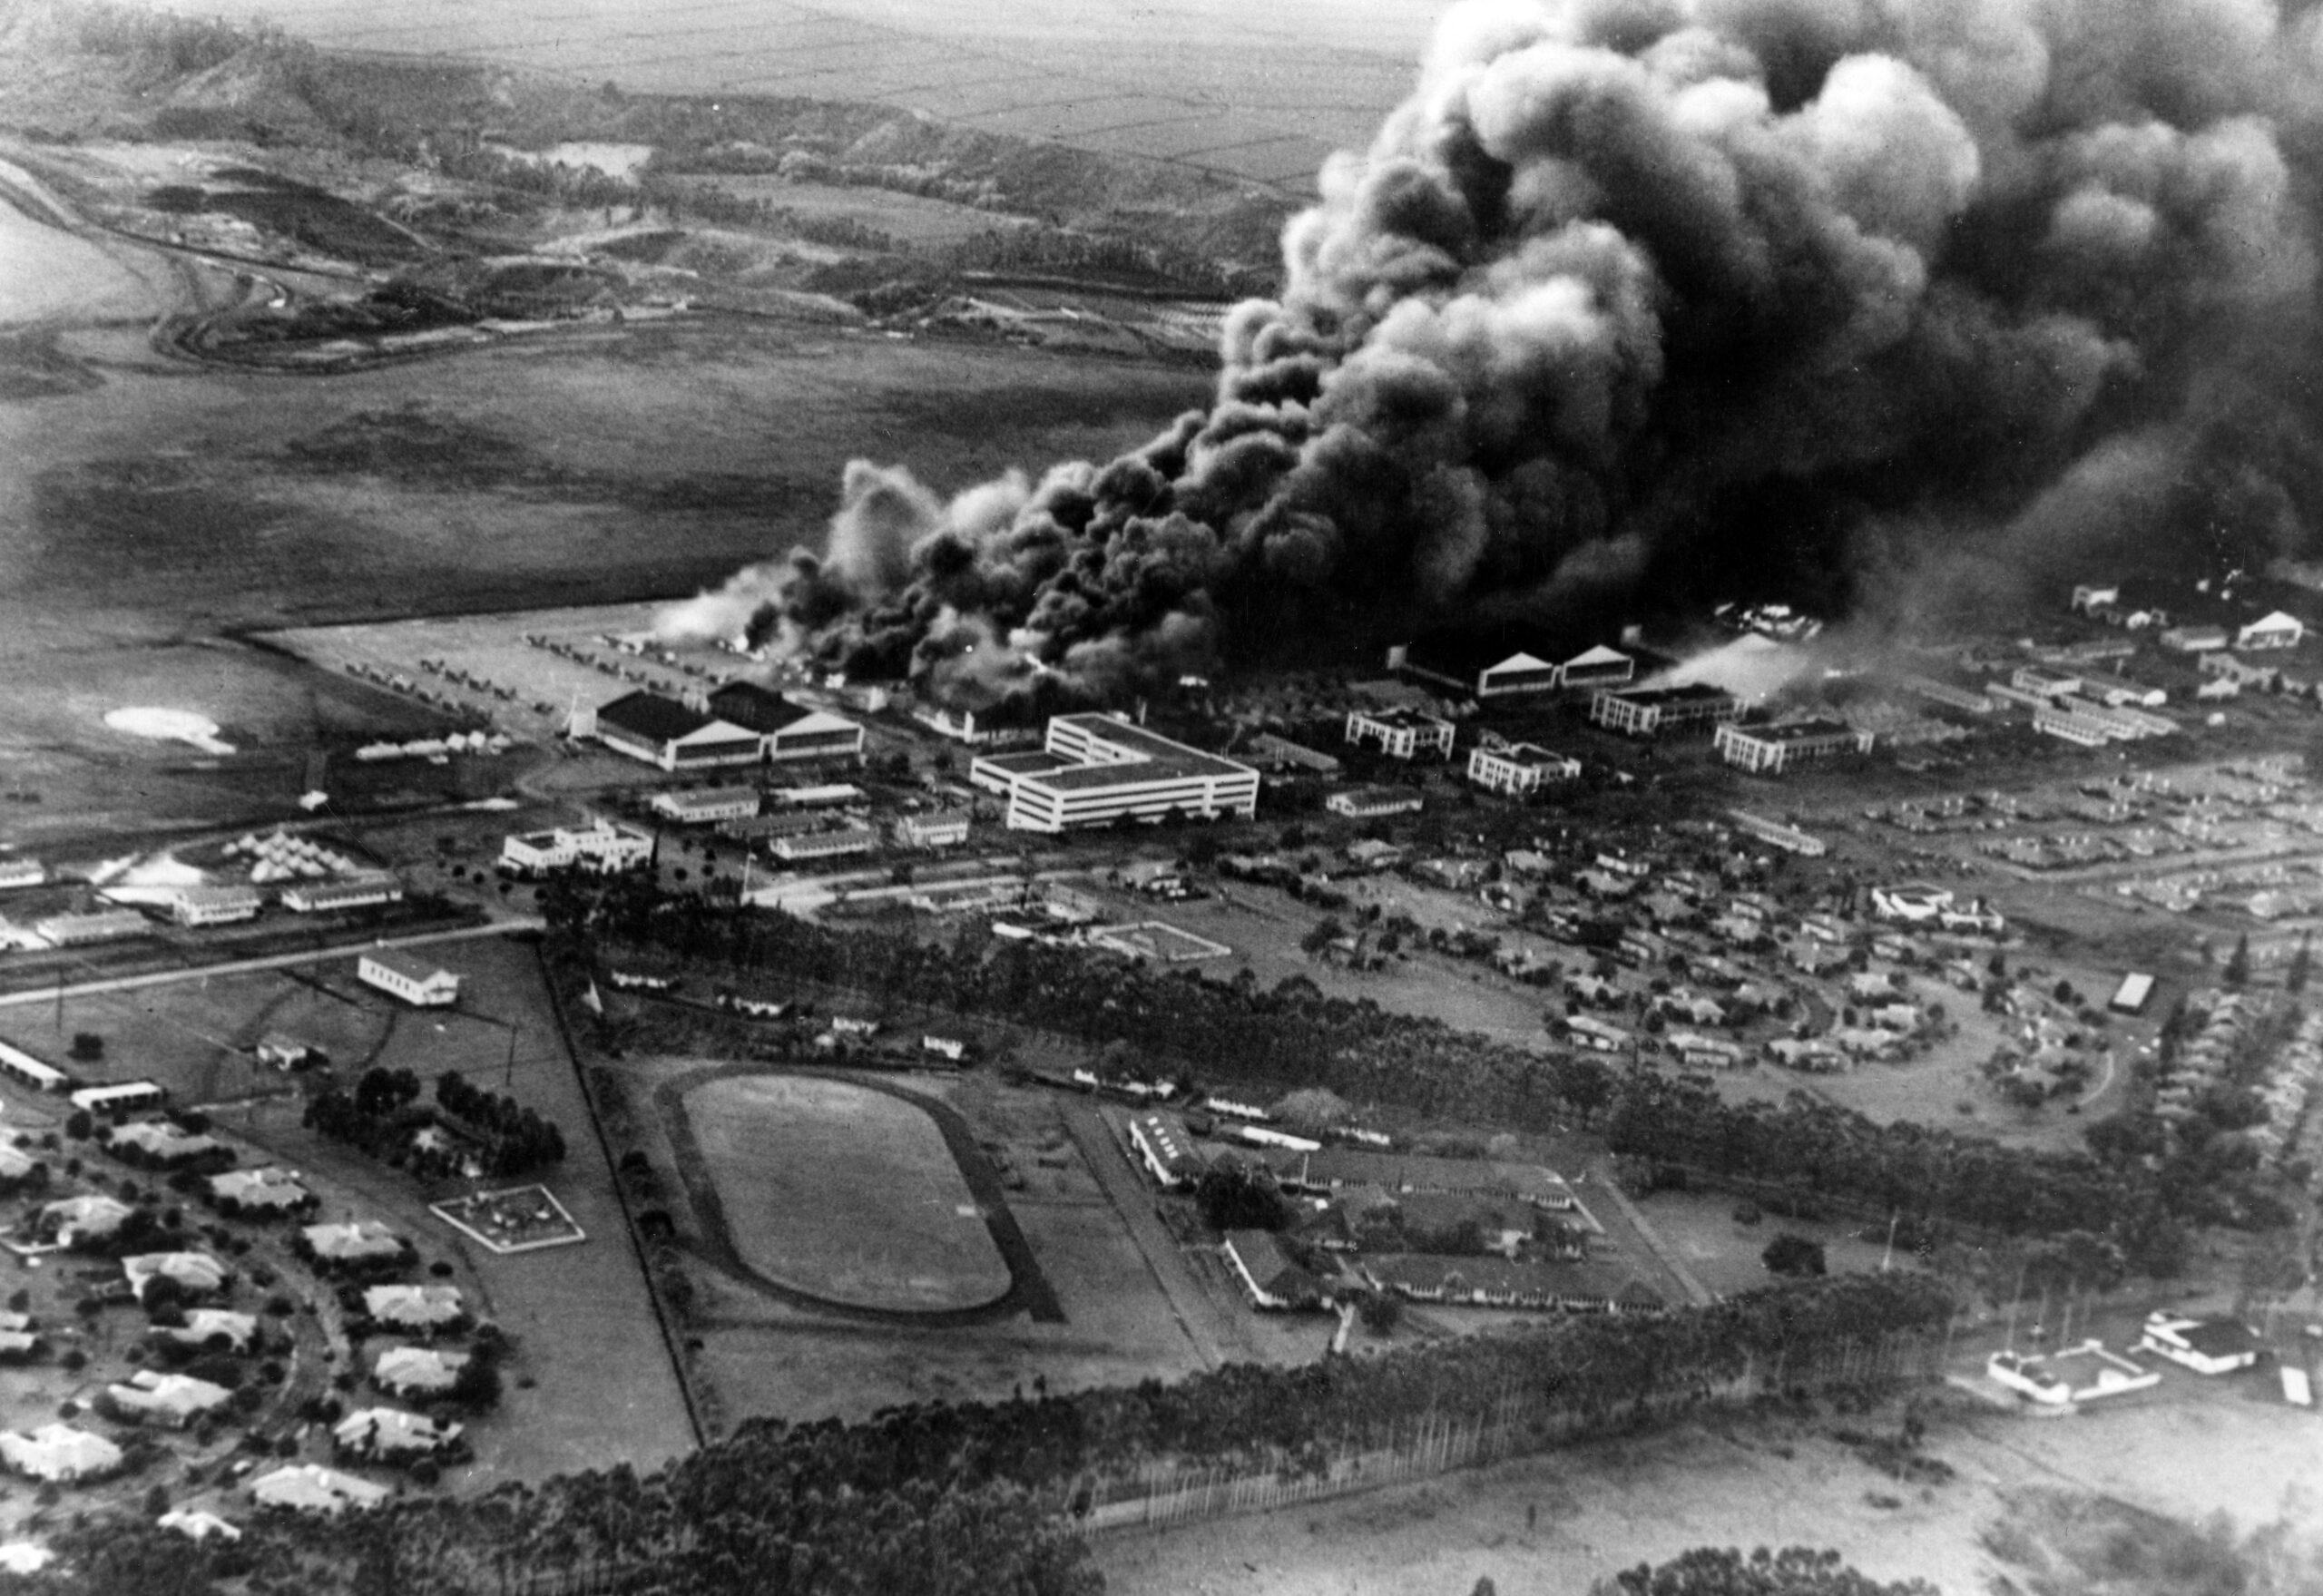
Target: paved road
point(1126, 1190)
point(48, 995)
point(1603, 1180)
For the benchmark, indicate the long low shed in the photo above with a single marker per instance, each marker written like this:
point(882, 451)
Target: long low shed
point(27, 1071)
point(127, 1097)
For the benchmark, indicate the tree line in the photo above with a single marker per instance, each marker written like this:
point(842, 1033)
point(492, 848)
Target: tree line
point(1295, 1036)
point(976, 1497)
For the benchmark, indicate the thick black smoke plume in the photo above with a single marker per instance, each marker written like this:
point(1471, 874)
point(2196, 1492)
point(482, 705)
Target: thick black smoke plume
point(1639, 302)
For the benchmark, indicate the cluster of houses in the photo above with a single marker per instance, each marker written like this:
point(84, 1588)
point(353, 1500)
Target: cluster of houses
point(188, 1293)
point(1458, 1232)
point(2224, 1026)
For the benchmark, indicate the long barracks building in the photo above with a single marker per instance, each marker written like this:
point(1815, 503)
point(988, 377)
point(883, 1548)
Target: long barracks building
point(1095, 770)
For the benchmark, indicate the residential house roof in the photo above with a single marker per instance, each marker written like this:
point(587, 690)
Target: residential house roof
point(311, 1488)
point(58, 1452)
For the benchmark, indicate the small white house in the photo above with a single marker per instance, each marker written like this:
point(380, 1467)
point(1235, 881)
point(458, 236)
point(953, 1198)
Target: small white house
point(2276, 630)
point(2206, 1347)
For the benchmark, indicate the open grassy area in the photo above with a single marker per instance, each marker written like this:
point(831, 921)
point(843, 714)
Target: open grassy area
point(1557, 1523)
point(843, 1193)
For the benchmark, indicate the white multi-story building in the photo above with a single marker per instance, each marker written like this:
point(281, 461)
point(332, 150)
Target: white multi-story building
point(1769, 751)
point(601, 847)
point(1097, 769)
point(1519, 769)
point(1649, 711)
point(424, 985)
point(1400, 734)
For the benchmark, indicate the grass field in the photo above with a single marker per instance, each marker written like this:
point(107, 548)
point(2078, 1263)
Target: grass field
point(156, 507)
point(1562, 1520)
point(909, 219)
point(1256, 93)
point(602, 1388)
point(844, 1194)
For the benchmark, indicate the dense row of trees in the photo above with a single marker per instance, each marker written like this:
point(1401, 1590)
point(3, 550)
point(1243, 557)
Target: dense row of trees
point(383, 1117)
point(1795, 1571)
point(963, 1499)
point(1295, 1037)
point(516, 1140)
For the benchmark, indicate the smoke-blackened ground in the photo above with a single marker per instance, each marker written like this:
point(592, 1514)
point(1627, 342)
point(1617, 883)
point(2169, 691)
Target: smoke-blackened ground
point(1902, 308)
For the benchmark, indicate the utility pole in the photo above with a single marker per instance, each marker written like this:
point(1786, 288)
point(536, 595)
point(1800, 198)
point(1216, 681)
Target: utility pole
point(508, 1073)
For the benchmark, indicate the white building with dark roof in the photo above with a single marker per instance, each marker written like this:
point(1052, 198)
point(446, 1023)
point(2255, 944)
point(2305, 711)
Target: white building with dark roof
point(1649, 711)
point(1269, 1278)
point(1096, 770)
point(1520, 769)
point(1168, 1152)
point(1769, 751)
point(1400, 734)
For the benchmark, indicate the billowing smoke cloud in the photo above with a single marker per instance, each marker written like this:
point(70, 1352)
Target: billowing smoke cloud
point(1887, 305)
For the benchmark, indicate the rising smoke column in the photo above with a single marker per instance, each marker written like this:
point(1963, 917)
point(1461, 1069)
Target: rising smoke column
point(1634, 301)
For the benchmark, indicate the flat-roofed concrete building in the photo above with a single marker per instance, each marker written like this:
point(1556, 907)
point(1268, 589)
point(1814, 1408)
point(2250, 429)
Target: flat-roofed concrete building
point(1649, 711)
point(791, 732)
point(1400, 734)
point(601, 845)
point(1519, 769)
point(1098, 769)
point(418, 981)
point(664, 732)
point(1769, 751)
